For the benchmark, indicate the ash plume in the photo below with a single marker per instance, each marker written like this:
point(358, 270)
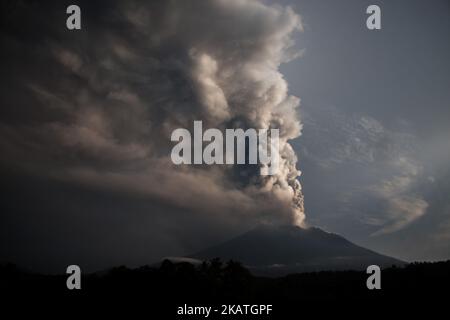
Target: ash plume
point(109, 96)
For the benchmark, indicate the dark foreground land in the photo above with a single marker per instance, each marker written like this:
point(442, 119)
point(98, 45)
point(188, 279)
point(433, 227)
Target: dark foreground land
point(161, 290)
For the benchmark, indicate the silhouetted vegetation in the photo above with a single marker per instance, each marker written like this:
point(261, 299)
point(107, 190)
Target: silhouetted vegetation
point(214, 282)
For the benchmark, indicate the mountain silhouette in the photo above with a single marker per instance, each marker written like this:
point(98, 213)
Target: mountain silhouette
point(280, 250)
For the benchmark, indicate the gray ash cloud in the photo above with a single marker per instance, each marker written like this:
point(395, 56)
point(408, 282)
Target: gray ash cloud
point(96, 107)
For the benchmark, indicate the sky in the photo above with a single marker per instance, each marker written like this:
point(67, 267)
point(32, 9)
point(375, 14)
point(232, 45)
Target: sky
point(375, 108)
point(86, 119)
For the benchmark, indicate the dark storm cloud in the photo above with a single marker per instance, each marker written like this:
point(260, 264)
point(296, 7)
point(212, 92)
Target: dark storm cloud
point(95, 108)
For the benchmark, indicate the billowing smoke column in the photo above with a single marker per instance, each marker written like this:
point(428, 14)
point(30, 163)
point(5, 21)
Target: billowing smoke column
point(137, 71)
point(233, 60)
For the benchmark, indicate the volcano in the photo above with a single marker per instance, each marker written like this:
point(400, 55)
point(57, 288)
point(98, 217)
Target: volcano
point(275, 251)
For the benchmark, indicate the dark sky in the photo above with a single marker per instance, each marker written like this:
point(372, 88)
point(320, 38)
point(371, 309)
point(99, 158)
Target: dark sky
point(86, 119)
